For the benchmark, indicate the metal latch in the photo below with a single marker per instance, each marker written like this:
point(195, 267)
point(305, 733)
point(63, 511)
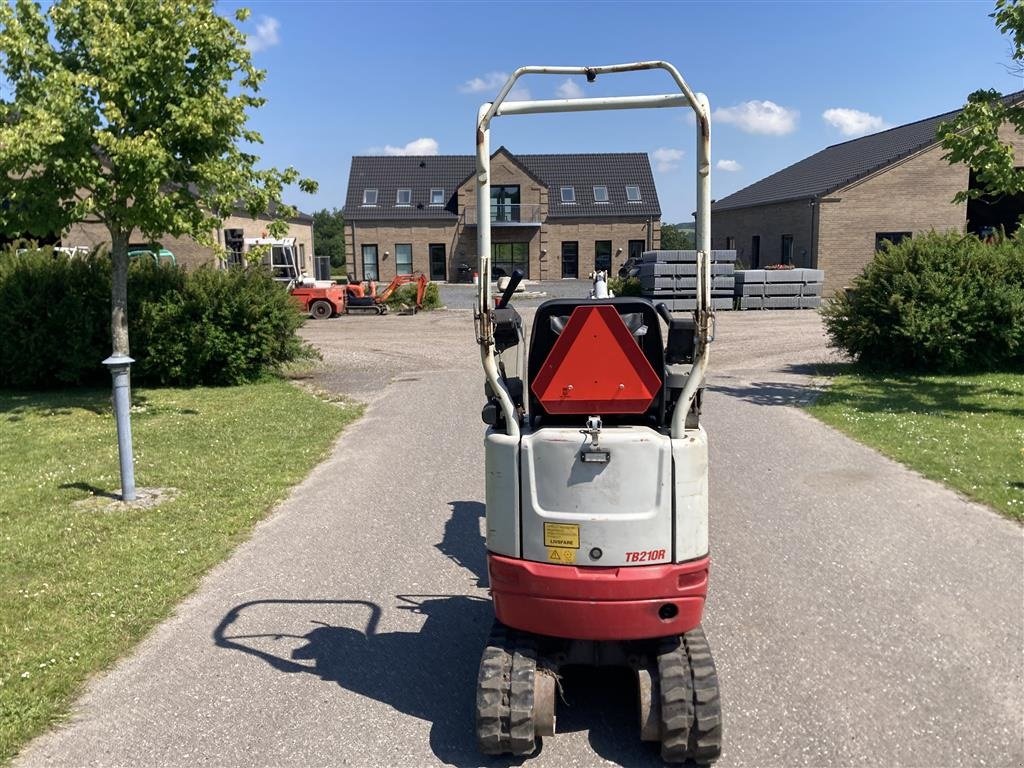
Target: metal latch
point(594, 453)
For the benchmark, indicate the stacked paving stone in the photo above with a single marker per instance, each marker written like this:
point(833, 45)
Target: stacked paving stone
point(671, 277)
point(779, 288)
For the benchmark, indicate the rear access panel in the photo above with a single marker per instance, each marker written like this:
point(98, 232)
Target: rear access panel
point(610, 513)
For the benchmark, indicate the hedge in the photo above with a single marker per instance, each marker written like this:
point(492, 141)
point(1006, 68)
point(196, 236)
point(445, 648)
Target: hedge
point(207, 326)
point(937, 302)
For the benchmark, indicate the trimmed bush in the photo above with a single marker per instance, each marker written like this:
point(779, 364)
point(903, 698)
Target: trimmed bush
point(208, 326)
point(405, 296)
point(938, 302)
point(625, 286)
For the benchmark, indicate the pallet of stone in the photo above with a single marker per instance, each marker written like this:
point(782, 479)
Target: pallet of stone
point(782, 302)
point(688, 305)
point(689, 269)
point(684, 284)
point(685, 257)
point(752, 302)
point(810, 302)
point(811, 289)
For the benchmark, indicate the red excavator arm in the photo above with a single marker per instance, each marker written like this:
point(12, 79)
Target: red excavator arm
point(421, 288)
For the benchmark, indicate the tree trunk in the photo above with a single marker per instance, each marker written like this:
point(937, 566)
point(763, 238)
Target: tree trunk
point(119, 292)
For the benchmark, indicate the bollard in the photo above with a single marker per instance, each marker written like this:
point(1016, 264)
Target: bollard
point(119, 366)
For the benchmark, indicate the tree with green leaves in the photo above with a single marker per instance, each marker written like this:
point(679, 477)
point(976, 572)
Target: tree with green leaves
point(676, 238)
point(132, 113)
point(972, 137)
point(329, 236)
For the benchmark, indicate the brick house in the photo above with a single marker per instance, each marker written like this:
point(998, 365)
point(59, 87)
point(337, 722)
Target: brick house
point(553, 216)
point(834, 209)
point(191, 253)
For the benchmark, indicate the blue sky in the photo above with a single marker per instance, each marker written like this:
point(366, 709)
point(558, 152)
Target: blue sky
point(362, 78)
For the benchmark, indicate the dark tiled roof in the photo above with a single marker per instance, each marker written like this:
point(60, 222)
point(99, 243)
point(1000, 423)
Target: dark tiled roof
point(841, 164)
point(584, 172)
point(389, 174)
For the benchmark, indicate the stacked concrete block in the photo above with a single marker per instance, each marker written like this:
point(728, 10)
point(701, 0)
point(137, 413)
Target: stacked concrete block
point(779, 288)
point(671, 277)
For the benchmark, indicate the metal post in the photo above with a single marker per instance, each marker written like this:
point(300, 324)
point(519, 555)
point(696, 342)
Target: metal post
point(120, 367)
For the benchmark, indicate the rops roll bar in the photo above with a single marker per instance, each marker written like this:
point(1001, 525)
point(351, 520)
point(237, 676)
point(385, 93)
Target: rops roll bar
point(499, 107)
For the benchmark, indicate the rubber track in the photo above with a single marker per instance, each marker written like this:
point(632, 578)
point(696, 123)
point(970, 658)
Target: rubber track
point(493, 708)
point(675, 681)
point(524, 669)
point(691, 712)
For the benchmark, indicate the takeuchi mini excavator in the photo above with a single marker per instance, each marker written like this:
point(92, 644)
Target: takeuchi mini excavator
point(596, 481)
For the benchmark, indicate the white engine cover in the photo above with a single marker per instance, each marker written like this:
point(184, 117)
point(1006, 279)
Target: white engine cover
point(544, 503)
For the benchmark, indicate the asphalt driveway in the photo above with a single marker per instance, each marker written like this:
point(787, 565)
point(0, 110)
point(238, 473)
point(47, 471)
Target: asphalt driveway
point(859, 614)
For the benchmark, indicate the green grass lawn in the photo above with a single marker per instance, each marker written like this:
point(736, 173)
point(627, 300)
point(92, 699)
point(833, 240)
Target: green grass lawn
point(965, 431)
point(81, 583)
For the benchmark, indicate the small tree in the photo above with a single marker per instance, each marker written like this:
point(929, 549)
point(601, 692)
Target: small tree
point(676, 238)
point(972, 137)
point(132, 113)
point(329, 236)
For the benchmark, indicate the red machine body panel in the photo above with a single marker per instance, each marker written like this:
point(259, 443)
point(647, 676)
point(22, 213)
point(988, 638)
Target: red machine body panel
point(591, 603)
point(596, 367)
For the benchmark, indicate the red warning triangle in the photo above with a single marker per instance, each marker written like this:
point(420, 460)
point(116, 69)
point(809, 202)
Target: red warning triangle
point(596, 367)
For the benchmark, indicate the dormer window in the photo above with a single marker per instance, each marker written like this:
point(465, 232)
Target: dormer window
point(404, 197)
point(568, 194)
point(632, 193)
point(437, 196)
point(369, 197)
point(600, 194)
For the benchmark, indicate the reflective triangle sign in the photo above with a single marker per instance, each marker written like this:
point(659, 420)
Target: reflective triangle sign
point(596, 367)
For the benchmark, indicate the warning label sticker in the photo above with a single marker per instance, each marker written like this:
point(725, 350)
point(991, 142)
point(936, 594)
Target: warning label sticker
point(562, 555)
point(561, 535)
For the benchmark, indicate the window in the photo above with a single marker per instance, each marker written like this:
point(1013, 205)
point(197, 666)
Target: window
point(504, 203)
point(437, 197)
point(636, 250)
point(302, 255)
point(370, 263)
point(404, 197)
point(568, 194)
point(755, 251)
point(632, 193)
point(600, 194)
point(603, 255)
point(506, 257)
point(881, 238)
point(570, 259)
point(403, 258)
point(730, 243)
point(369, 197)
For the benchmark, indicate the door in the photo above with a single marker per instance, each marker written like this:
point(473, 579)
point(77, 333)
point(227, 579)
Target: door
point(506, 257)
point(438, 262)
point(787, 249)
point(755, 251)
point(570, 260)
point(370, 263)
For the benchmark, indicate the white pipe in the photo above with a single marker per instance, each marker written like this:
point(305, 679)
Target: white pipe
point(483, 245)
point(704, 278)
point(591, 105)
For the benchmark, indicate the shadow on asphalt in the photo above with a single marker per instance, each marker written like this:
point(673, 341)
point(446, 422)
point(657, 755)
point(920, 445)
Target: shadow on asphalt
point(430, 674)
point(769, 393)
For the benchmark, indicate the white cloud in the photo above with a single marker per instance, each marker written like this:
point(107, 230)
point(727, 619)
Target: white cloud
point(424, 146)
point(570, 89)
point(759, 117)
point(492, 81)
point(265, 35)
point(666, 159)
point(853, 122)
point(728, 165)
